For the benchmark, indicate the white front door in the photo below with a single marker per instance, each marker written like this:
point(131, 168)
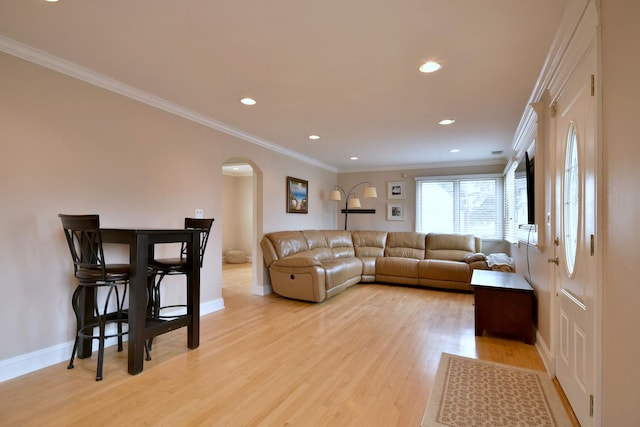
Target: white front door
point(575, 219)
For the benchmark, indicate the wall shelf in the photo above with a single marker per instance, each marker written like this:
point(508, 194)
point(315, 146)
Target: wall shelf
point(359, 211)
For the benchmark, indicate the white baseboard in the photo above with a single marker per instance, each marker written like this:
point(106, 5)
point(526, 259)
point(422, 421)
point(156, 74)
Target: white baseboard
point(547, 357)
point(261, 290)
point(25, 363)
point(30, 362)
point(211, 306)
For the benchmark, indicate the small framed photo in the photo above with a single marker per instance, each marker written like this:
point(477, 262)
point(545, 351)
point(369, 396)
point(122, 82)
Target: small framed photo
point(297, 195)
point(395, 212)
point(395, 190)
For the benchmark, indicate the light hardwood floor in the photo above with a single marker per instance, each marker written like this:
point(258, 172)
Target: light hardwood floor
point(366, 357)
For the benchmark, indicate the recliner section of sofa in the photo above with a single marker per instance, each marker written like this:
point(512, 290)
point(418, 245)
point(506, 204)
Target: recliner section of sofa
point(369, 246)
point(314, 265)
point(402, 255)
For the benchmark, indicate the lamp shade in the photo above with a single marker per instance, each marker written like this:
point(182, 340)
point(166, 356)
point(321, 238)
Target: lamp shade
point(370, 192)
point(354, 203)
point(335, 195)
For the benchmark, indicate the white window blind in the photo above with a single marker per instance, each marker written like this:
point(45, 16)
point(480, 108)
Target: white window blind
point(461, 204)
point(510, 225)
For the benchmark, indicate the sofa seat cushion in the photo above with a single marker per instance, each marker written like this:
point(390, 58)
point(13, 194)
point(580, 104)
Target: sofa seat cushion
point(397, 267)
point(452, 271)
point(339, 271)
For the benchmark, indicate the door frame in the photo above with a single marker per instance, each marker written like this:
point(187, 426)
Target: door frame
point(587, 36)
point(579, 31)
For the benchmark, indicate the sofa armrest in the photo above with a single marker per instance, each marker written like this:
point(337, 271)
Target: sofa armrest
point(478, 265)
point(478, 256)
point(268, 251)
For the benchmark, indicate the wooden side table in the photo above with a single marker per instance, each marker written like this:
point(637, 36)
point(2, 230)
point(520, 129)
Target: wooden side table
point(504, 303)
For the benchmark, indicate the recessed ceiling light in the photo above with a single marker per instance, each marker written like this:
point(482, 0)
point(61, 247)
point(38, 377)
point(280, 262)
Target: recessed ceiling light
point(314, 137)
point(446, 122)
point(429, 67)
point(248, 101)
point(51, 1)
point(353, 158)
point(454, 150)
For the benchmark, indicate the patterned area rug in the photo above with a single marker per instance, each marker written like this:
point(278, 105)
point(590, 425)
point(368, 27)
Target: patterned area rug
point(469, 392)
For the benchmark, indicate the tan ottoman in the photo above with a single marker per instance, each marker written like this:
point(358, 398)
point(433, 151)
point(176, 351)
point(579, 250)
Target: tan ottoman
point(236, 257)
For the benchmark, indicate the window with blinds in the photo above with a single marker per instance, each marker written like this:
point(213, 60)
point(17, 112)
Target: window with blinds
point(460, 204)
point(510, 216)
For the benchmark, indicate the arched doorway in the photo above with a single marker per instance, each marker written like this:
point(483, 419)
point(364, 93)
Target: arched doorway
point(242, 216)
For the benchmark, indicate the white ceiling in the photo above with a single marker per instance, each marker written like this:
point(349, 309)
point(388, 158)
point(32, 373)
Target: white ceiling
point(346, 70)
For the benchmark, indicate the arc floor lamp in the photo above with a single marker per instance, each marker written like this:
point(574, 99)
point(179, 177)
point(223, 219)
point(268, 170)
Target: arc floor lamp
point(352, 203)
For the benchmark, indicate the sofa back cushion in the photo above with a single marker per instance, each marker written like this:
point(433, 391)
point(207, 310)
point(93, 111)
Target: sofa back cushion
point(340, 243)
point(452, 247)
point(315, 239)
point(287, 243)
point(405, 244)
point(369, 243)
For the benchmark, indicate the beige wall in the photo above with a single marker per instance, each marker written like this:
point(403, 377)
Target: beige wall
point(71, 147)
point(531, 262)
point(621, 201)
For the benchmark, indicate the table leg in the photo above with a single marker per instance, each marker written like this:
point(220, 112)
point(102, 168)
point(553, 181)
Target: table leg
point(193, 293)
point(139, 252)
point(87, 304)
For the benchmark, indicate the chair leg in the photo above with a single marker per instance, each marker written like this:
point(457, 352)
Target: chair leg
point(150, 283)
point(101, 318)
point(76, 310)
point(102, 328)
point(73, 352)
point(155, 304)
point(119, 308)
point(156, 296)
point(100, 352)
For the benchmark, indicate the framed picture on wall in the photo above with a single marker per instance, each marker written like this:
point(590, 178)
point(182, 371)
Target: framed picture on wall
point(297, 195)
point(395, 190)
point(395, 212)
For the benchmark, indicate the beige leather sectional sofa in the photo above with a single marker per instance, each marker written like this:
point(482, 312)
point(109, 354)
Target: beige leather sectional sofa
point(314, 265)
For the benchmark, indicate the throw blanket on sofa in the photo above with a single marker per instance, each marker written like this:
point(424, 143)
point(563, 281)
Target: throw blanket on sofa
point(500, 262)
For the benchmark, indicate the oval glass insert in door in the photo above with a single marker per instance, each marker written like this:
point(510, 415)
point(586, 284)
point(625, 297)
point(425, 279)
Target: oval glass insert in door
point(571, 199)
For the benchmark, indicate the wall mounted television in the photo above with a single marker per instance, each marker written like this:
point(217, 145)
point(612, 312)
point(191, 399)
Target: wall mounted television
point(525, 191)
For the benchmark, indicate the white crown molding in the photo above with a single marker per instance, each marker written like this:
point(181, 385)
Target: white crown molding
point(498, 161)
point(575, 29)
point(31, 54)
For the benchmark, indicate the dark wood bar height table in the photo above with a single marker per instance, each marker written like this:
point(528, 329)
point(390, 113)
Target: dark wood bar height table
point(141, 243)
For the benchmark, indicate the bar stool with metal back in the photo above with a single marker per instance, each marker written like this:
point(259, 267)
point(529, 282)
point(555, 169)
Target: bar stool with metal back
point(174, 266)
point(82, 233)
